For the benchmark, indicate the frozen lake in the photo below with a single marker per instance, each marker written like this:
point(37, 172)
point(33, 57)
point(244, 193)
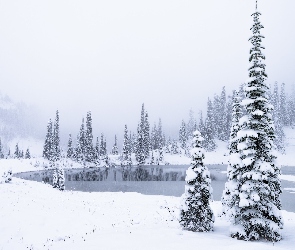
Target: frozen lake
point(150, 180)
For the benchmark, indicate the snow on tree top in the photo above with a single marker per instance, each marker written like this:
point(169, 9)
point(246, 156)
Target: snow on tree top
point(197, 133)
point(247, 133)
point(250, 79)
point(258, 112)
point(246, 102)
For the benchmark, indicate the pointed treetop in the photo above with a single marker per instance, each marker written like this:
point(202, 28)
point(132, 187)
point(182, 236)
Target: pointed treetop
point(256, 5)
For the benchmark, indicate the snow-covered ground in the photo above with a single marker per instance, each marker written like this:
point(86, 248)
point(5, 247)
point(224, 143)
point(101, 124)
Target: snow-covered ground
point(36, 216)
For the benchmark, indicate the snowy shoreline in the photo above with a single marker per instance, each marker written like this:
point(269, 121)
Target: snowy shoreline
point(45, 218)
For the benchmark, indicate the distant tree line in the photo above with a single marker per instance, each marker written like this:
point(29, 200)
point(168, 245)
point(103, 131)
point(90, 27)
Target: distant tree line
point(18, 153)
point(149, 143)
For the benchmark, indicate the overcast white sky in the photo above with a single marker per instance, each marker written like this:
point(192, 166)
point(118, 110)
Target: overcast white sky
point(111, 56)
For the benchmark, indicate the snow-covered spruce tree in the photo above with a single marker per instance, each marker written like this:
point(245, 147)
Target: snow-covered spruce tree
point(208, 134)
point(58, 178)
point(291, 111)
point(28, 154)
point(17, 152)
point(61, 179)
point(70, 150)
point(182, 135)
point(283, 106)
point(56, 139)
point(140, 153)
point(126, 153)
point(89, 150)
point(97, 149)
point(195, 211)
point(221, 132)
point(115, 150)
point(153, 137)
point(80, 149)
point(132, 139)
point(152, 161)
point(174, 147)
point(47, 149)
point(255, 212)
point(54, 179)
point(160, 135)
point(277, 118)
point(103, 155)
point(161, 155)
point(168, 146)
point(146, 132)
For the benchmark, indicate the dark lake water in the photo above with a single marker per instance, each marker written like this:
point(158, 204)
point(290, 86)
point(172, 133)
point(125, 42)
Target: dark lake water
point(148, 180)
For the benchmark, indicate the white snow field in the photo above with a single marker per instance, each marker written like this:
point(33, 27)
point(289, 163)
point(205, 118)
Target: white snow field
point(36, 216)
point(33, 215)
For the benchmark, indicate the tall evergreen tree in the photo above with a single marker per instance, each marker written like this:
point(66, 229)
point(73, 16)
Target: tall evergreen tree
point(58, 178)
point(70, 151)
point(115, 150)
point(277, 118)
point(279, 132)
point(17, 152)
point(174, 147)
point(139, 154)
point(160, 135)
point(28, 154)
point(146, 132)
point(141, 139)
point(209, 142)
point(195, 213)
point(182, 135)
point(103, 155)
point(97, 149)
point(256, 213)
point(80, 148)
point(89, 150)
point(154, 137)
point(291, 111)
point(47, 149)
point(283, 106)
point(126, 153)
point(161, 156)
point(56, 139)
point(168, 146)
point(221, 133)
point(132, 139)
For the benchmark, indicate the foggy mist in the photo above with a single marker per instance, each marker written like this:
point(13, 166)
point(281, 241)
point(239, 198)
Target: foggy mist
point(109, 57)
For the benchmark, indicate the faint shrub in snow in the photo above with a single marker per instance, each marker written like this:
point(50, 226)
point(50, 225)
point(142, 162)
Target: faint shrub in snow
point(5, 176)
